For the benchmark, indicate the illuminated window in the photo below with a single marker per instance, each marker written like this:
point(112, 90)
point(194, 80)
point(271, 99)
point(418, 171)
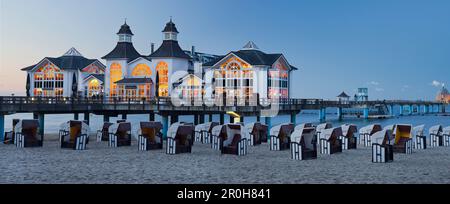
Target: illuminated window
point(48, 81)
point(163, 70)
point(114, 76)
point(94, 88)
point(141, 70)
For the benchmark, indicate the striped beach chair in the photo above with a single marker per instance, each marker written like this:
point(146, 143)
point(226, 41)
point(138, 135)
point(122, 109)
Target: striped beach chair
point(436, 138)
point(348, 138)
point(26, 134)
point(329, 142)
point(74, 135)
point(303, 144)
point(235, 140)
point(180, 138)
point(119, 134)
point(366, 132)
point(419, 138)
point(403, 138)
point(149, 136)
point(382, 148)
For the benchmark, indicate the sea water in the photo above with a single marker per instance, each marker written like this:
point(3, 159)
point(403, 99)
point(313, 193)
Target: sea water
point(52, 122)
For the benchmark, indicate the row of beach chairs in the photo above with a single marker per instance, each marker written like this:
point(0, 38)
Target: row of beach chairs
point(304, 141)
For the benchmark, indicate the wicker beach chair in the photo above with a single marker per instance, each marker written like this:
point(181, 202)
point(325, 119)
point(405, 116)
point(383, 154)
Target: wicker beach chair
point(180, 138)
point(348, 136)
point(198, 132)
point(10, 136)
point(446, 137)
point(303, 145)
point(403, 139)
point(216, 135)
point(103, 134)
point(149, 136)
point(320, 128)
point(419, 138)
point(26, 134)
point(206, 132)
point(234, 140)
point(329, 142)
point(436, 138)
point(120, 134)
point(74, 135)
point(366, 133)
point(280, 136)
point(256, 131)
point(382, 148)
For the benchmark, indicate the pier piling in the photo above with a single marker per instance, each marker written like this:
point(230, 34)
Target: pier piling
point(105, 118)
point(2, 127)
point(87, 118)
point(41, 118)
point(173, 119)
point(196, 119)
point(322, 114)
point(76, 116)
point(294, 118)
point(401, 110)
point(151, 116)
point(258, 118)
point(391, 110)
point(366, 113)
point(222, 118)
point(269, 126)
point(124, 116)
point(210, 117)
point(339, 113)
point(165, 123)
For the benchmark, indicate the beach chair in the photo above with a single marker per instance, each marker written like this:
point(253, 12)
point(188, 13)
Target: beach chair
point(120, 134)
point(280, 136)
point(419, 139)
point(436, 138)
point(382, 148)
point(348, 138)
point(329, 142)
point(26, 134)
point(234, 140)
point(366, 132)
point(10, 136)
point(446, 137)
point(103, 134)
point(303, 144)
point(256, 131)
point(403, 139)
point(150, 136)
point(198, 132)
point(216, 135)
point(180, 138)
point(320, 128)
point(206, 132)
point(74, 135)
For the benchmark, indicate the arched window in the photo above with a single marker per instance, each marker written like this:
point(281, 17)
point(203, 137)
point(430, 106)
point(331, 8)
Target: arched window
point(163, 80)
point(141, 70)
point(115, 74)
point(94, 87)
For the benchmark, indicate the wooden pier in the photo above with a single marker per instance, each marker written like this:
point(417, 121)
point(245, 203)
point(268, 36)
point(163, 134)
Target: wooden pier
point(110, 107)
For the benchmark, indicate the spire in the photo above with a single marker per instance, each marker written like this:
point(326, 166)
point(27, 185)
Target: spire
point(125, 29)
point(73, 52)
point(251, 46)
point(170, 27)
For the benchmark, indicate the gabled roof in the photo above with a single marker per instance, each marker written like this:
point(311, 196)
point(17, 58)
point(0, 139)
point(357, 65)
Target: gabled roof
point(135, 81)
point(71, 60)
point(123, 50)
point(253, 57)
point(169, 48)
point(343, 95)
point(100, 77)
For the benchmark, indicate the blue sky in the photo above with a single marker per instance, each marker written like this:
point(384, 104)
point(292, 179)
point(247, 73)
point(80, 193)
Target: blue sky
point(395, 48)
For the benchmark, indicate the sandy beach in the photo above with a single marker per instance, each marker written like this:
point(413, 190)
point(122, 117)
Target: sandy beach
point(101, 164)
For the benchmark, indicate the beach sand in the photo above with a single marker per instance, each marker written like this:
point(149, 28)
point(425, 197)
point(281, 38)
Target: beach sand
point(101, 164)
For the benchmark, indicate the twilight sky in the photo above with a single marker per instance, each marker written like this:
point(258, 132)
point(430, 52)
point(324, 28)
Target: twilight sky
point(399, 49)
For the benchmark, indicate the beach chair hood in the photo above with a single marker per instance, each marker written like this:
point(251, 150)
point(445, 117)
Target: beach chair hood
point(303, 125)
point(370, 129)
point(331, 132)
point(419, 130)
point(349, 129)
point(437, 129)
point(217, 130)
point(446, 131)
point(382, 137)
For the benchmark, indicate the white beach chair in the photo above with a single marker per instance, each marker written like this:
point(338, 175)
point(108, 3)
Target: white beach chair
point(329, 142)
point(446, 137)
point(366, 132)
point(74, 135)
point(382, 148)
point(235, 140)
point(180, 138)
point(198, 132)
point(280, 136)
point(436, 139)
point(403, 138)
point(27, 134)
point(215, 136)
point(348, 138)
point(319, 130)
point(303, 145)
point(419, 139)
